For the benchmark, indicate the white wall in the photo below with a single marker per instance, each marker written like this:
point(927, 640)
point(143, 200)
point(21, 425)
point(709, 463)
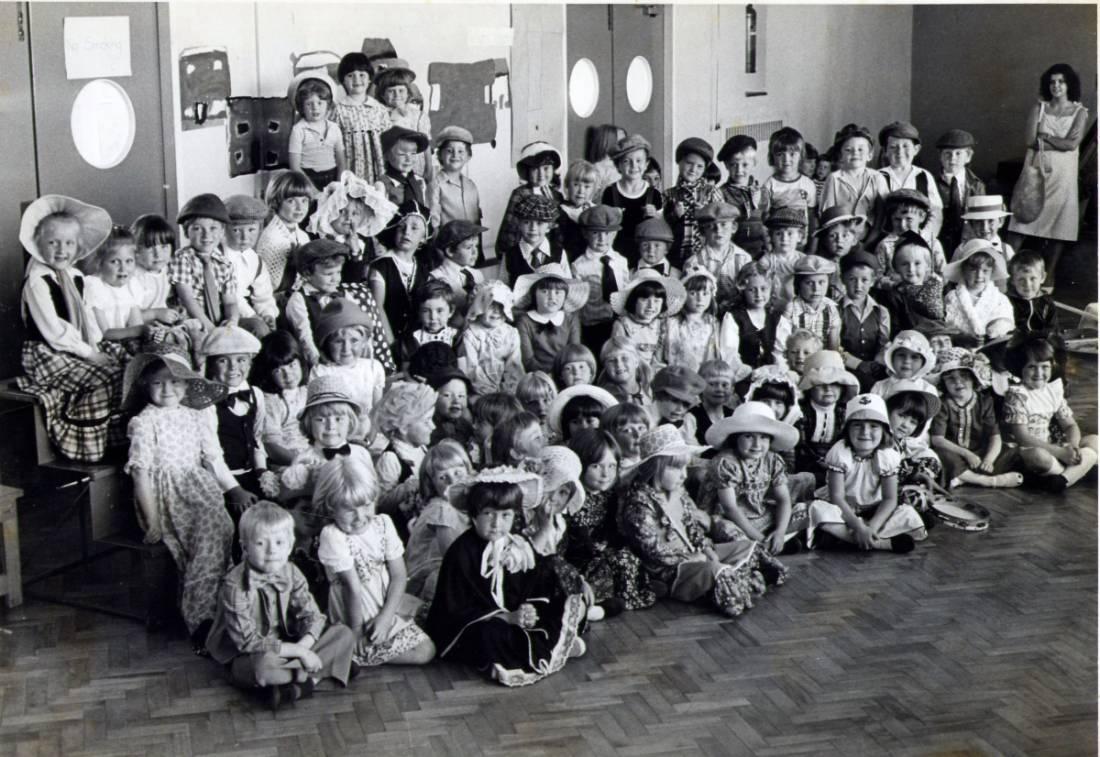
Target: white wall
point(825, 66)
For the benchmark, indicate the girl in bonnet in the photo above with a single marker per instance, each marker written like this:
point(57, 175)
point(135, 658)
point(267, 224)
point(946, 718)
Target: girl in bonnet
point(352, 212)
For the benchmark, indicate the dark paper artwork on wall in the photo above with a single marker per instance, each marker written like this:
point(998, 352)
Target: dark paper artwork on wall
point(204, 86)
point(259, 134)
point(465, 96)
point(378, 47)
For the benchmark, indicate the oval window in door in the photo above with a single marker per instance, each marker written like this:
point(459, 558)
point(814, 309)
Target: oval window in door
point(584, 88)
point(639, 84)
point(102, 123)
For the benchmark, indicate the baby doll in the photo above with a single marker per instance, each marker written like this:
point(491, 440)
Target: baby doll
point(906, 210)
point(342, 333)
point(577, 408)
point(395, 275)
point(900, 142)
point(403, 150)
point(316, 143)
point(489, 347)
point(155, 239)
point(603, 269)
point(654, 237)
point(285, 653)
point(627, 422)
point(916, 301)
point(811, 308)
point(1032, 308)
point(826, 389)
point(457, 242)
point(689, 194)
point(204, 282)
point(549, 301)
point(451, 193)
point(288, 196)
point(854, 184)
point(720, 256)
point(574, 365)
point(862, 506)
point(624, 373)
point(965, 432)
point(754, 321)
point(433, 306)
point(643, 308)
point(498, 605)
point(255, 295)
point(631, 194)
point(659, 520)
point(742, 191)
point(956, 183)
point(581, 182)
point(676, 391)
point(534, 216)
point(364, 561)
point(864, 324)
point(975, 306)
point(695, 335)
point(788, 186)
point(537, 167)
point(352, 212)
point(908, 356)
point(280, 372)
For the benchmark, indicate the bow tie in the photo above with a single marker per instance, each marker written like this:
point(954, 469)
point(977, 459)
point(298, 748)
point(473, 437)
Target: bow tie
point(244, 395)
point(331, 452)
point(279, 581)
point(661, 269)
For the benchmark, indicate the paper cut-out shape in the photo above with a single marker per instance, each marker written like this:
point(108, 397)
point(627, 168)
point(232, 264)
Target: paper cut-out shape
point(259, 134)
point(378, 47)
point(326, 59)
point(204, 86)
point(465, 96)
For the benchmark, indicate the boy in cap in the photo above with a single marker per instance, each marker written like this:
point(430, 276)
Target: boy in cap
point(956, 183)
point(864, 323)
point(533, 215)
point(900, 142)
point(256, 294)
point(811, 308)
point(654, 237)
point(676, 391)
point(690, 193)
point(604, 270)
point(537, 167)
point(400, 146)
point(458, 242)
point(742, 190)
point(786, 231)
point(718, 224)
point(453, 196)
point(204, 282)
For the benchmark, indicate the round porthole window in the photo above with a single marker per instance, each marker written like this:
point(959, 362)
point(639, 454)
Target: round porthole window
point(639, 84)
point(584, 88)
point(102, 123)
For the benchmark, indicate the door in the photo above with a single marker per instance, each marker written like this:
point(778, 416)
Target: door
point(589, 88)
point(107, 169)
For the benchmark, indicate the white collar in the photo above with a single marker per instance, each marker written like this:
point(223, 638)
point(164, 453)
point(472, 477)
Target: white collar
point(555, 319)
point(528, 249)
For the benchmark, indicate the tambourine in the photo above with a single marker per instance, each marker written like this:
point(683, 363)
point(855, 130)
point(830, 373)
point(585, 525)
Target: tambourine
point(965, 516)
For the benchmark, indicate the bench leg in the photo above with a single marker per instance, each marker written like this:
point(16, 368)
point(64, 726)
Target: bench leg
point(11, 562)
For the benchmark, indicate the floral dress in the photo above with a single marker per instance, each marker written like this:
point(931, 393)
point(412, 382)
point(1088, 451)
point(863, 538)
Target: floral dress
point(690, 342)
point(649, 338)
point(670, 551)
point(171, 444)
point(917, 461)
point(1037, 409)
point(362, 125)
point(491, 358)
point(367, 554)
point(593, 545)
point(752, 482)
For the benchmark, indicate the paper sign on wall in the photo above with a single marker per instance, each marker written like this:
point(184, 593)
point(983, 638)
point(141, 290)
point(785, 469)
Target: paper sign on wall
point(97, 47)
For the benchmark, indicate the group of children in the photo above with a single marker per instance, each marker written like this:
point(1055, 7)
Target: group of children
point(653, 395)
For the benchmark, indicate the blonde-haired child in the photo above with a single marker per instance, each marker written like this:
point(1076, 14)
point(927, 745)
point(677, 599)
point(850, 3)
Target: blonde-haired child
point(115, 295)
point(581, 183)
point(909, 355)
point(489, 347)
point(855, 184)
point(754, 320)
point(288, 196)
point(624, 372)
point(787, 186)
point(405, 418)
point(695, 334)
point(811, 308)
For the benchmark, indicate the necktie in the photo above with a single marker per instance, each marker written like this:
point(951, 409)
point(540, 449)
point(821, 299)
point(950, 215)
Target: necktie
point(211, 294)
point(609, 284)
point(331, 452)
point(539, 258)
point(467, 281)
point(954, 203)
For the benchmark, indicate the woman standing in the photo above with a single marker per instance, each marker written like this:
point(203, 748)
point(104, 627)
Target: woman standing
point(1057, 124)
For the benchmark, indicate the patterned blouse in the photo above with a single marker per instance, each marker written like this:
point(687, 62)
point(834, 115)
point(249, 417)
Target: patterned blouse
point(1036, 408)
point(661, 544)
point(751, 481)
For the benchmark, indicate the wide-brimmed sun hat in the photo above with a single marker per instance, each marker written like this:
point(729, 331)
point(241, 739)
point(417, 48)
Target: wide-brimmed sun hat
point(576, 295)
point(675, 294)
point(95, 223)
point(529, 483)
point(754, 418)
point(201, 392)
point(559, 466)
point(953, 271)
point(667, 441)
point(553, 416)
point(827, 367)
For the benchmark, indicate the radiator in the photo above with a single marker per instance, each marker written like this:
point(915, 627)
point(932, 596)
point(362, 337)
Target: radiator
point(761, 131)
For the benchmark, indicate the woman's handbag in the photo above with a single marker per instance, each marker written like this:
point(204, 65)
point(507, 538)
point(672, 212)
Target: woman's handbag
point(1027, 198)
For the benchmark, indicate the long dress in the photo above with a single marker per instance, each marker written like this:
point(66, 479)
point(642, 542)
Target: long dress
point(1059, 218)
point(466, 619)
point(171, 444)
point(362, 125)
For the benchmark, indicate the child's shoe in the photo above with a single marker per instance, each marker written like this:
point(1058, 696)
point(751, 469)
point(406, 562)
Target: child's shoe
point(902, 544)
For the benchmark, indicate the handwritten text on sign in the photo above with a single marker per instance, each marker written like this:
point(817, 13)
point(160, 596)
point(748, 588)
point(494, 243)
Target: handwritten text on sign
point(97, 47)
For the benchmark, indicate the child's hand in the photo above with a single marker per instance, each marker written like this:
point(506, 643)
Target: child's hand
point(776, 542)
point(100, 358)
point(972, 460)
point(1067, 454)
point(650, 210)
point(679, 209)
point(378, 629)
point(524, 617)
point(239, 499)
point(270, 321)
point(311, 663)
point(153, 534)
point(864, 536)
point(987, 463)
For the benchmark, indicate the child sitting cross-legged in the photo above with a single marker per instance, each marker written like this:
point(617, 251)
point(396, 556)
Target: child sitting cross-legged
point(912, 406)
point(269, 633)
point(498, 605)
point(862, 506)
point(489, 347)
point(364, 561)
point(975, 306)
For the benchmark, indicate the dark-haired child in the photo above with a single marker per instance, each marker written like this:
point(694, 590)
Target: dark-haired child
point(632, 194)
point(316, 144)
point(517, 439)
point(787, 186)
point(155, 239)
point(402, 149)
point(288, 196)
point(911, 406)
point(578, 408)
point(452, 407)
point(279, 370)
point(433, 305)
point(643, 308)
point(395, 275)
point(837, 236)
point(956, 183)
point(488, 412)
point(361, 118)
point(457, 243)
point(548, 300)
point(653, 176)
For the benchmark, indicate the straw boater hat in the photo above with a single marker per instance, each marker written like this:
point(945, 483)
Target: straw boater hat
point(918, 387)
point(327, 390)
point(201, 392)
point(916, 342)
point(827, 367)
point(953, 271)
point(979, 207)
point(529, 483)
point(675, 294)
point(338, 194)
point(95, 223)
point(576, 295)
point(485, 294)
point(558, 466)
point(754, 418)
point(553, 416)
point(962, 359)
point(667, 441)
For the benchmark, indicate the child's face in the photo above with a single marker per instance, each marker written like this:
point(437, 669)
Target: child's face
point(954, 160)
point(907, 218)
point(205, 234)
point(329, 425)
point(911, 264)
point(904, 425)
point(632, 165)
point(978, 272)
point(419, 432)
point(599, 240)
point(900, 152)
point(577, 372)
point(453, 156)
point(740, 166)
point(580, 190)
point(785, 239)
point(327, 275)
point(529, 442)
point(778, 407)
point(464, 253)
point(787, 162)
point(410, 234)
point(267, 549)
point(444, 478)
point(492, 524)
point(719, 233)
point(154, 258)
point(243, 235)
point(864, 436)
point(539, 405)
point(940, 343)
point(986, 228)
point(59, 242)
point(823, 169)
point(356, 82)
point(601, 475)
point(402, 155)
point(1028, 280)
point(533, 231)
point(580, 423)
point(549, 299)
point(629, 436)
point(653, 178)
point(352, 519)
point(825, 395)
point(672, 478)
point(812, 288)
point(1036, 375)
point(797, 352)
point(719, 389)
point(396, 96)
point(434, 314)
point(699, 299)
point(646, 309)
point(492, 317)
point(855, 153)
point(652, 251)
point(349, 218)
point(906, 363)
point(288, 375)
point(756, 292)
point(231, 370)
point(541, 176)
point(959, 386)
point(808, 166)
point(314, 108)
point(692, 168)
point(452, 401)
point(752, 446)
point(621, 367)
point(165, 390)
point(346, 345)
point(118, 266)
point(838, 239)
point(293, 210)
point(858, 281)
point(671, 408)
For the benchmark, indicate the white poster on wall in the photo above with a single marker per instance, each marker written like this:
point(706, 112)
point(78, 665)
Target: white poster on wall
point(97, 47)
